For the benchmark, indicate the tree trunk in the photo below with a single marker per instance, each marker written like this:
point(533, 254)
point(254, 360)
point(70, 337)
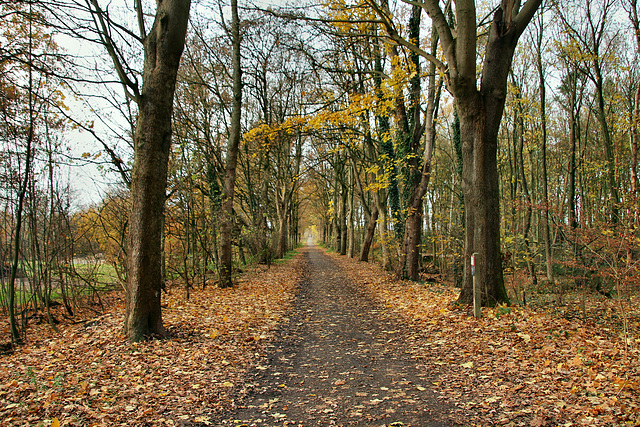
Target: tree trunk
point(370, 232)
point(546, 235)
point(413, 224)
point(635, 114)
point(384, 230)
point(480, 114)
point(633, 142)
point(337, 223)
point(478, 130)
point(571, 196)
point(283, 229)
point(226, 228)
point(608, 146)
point(350, 224)
point(163, 48)
point(343, 218)
point(410, 260)
point(519, 166)
point(17, 237)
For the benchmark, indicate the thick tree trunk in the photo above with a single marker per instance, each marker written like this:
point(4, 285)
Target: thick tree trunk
point(163, 47)
point(480, 116)
point(412, 237)
point(482, 200)
point(368, 236)
point(226, 228)
point(282, 238)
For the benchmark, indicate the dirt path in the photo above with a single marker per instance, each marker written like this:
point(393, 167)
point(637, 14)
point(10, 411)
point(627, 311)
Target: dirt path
point(339, 361)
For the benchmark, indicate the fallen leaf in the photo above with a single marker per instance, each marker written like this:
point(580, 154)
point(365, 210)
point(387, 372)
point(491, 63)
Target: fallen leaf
point(203, 419)
point(525, 337)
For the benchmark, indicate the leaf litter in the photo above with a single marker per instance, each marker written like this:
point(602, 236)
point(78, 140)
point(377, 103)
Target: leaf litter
point(515, 366)
point(89, 375)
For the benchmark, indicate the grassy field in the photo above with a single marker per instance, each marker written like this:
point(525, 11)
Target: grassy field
point(83, 279)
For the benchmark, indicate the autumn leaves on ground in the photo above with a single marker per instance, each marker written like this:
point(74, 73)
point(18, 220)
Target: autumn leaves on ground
point(515, 366)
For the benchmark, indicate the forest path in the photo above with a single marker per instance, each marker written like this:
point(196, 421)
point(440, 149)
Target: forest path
point(339, 360)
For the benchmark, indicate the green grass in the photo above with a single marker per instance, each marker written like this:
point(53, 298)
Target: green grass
point(102, 277)
point(287, 256)
point(104, 274)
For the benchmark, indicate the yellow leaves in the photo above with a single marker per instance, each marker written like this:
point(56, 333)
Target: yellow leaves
point(265, 135)
point(203, 420)
point(92, 156)
point(345, 115)
point(348, 17)
point(55, 422)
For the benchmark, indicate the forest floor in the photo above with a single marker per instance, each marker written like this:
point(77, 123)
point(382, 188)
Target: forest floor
point(324, 340)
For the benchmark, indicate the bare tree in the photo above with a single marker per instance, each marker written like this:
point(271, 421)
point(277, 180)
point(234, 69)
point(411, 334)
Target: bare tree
point(226, 251)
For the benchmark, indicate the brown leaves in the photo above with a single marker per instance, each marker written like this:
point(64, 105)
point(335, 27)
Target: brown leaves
point(90, 375)
point(515, 365)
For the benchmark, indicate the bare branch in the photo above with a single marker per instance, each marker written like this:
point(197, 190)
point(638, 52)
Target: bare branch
point(131, 88)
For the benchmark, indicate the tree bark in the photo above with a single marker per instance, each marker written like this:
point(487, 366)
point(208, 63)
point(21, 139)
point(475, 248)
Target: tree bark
point(226, 228)
point(152, 141)
point(608, 146)
point(546, 235)
point(343, 220)
point(368, 236)
point(518, 137)
point(419, 181)
point(633, 141)
point(482, 202)
point(635, 114)
point(371, 208)
point(480, 113)
point(282, 211)
point(573, 109)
